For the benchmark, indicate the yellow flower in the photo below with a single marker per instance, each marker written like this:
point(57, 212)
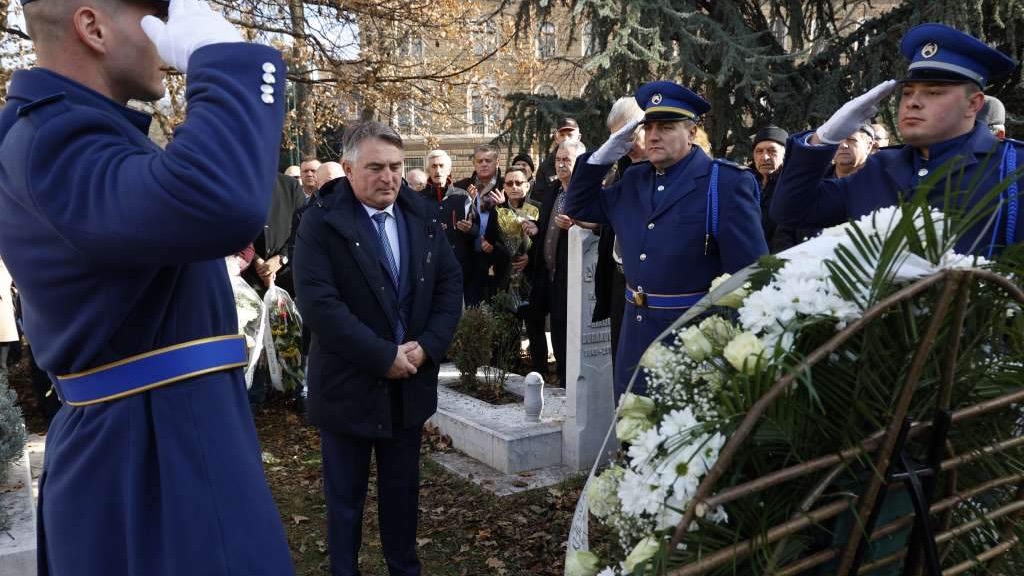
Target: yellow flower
point(582, 563)
point(642, 552)
point(630, 427)
point(697, 345)
point(636, 406)
point(733, 299)
point(743, 352)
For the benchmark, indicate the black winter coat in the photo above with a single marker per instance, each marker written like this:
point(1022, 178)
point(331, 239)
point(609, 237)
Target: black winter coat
point(346, 300)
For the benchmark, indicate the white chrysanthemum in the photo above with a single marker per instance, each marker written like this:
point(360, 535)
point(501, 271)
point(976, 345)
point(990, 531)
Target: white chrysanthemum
point(644, 447)
point(634, 493)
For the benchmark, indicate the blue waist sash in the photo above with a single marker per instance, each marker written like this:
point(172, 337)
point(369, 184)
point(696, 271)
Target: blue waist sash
point(662, 301)
point(153, 369)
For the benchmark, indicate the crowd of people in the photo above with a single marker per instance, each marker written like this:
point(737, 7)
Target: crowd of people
point(117, 248)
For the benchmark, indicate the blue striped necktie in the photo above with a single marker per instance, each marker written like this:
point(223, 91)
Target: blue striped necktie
point(380, 218)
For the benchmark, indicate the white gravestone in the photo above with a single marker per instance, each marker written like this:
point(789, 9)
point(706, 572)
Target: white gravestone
point(590, 404)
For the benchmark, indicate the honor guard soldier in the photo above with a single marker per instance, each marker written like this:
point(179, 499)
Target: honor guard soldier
point(682, 219)
point(940, 100)
point(117, 246)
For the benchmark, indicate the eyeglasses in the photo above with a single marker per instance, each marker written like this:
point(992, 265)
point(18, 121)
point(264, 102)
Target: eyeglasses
point(515, 182)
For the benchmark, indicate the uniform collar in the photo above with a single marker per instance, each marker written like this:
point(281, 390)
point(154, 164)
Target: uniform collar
point(675, 169)
point(36, 83)
point(978, 141)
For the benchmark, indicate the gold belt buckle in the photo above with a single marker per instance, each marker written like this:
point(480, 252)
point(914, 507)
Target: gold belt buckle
point(640, 299)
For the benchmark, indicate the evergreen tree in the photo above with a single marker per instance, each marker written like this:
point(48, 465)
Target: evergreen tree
point(787, 62)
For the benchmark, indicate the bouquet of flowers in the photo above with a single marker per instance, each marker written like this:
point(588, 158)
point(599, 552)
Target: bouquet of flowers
point(795, 366)
point(282, 333)
point(249, 308)
point(510, 222)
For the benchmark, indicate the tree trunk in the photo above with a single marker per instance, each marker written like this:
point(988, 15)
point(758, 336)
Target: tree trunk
point(300, 59)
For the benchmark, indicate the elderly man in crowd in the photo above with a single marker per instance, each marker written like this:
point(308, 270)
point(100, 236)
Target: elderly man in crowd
point(307, 176)
point(417, 179)
point(769, 155)
point(293, 171)
point(488, 254)
point(940, 99)
point(381, 292)
point(549, 263)
point(328, 171)
point(853, 152)
point(454, 206)
point(486, 176)
point(546, 177)
point(993, 114)
point(673, 246)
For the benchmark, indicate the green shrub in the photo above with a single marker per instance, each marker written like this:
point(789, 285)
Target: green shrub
point(472, 344)
point(487, 337)
point(12, 435)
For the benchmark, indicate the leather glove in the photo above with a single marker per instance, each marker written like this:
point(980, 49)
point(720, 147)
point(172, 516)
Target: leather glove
point(848, 119)
point(191, 24)
point(618, 145)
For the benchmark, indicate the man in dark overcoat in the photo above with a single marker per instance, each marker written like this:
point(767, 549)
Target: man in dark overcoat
point(381, 291)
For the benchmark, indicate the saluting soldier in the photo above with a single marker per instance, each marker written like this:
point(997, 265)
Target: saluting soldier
point(940, 99)
point(152, 464)
point(682, 219)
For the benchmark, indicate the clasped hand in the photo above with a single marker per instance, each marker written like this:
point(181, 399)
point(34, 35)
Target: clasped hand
point(409, 357)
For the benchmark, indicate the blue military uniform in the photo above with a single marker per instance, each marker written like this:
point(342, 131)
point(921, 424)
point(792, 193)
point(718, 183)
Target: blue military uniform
point(678, 229)
point(117, 248)
point(937, 54)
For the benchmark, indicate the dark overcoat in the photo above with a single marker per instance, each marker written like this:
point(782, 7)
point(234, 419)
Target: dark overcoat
point(347, 300)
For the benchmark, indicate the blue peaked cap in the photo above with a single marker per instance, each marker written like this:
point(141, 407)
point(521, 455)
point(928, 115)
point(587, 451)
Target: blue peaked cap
point(938, 53)
point(663, 100)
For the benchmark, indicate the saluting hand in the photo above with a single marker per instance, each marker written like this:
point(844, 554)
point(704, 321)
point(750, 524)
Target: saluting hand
point(191, 24)
point(618, 145)
point(851, 115)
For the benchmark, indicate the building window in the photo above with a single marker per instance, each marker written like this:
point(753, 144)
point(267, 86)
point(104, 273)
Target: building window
point(413, 163)
point(485, 109)
point(411, 47)
point(486, 36)
point(406, 116)
point(476, 110)
point(588, 42)
point(546, 43)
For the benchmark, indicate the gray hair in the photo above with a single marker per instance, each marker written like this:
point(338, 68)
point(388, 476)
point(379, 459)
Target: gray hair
point(485, 149)
point(577, 147)
point(624, 110)
point(438, 154)
point(360, 131)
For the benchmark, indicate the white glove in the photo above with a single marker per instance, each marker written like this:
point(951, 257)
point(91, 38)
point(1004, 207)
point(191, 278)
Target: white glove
point(618, 145)
point(849, 118)
point(191, 24)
